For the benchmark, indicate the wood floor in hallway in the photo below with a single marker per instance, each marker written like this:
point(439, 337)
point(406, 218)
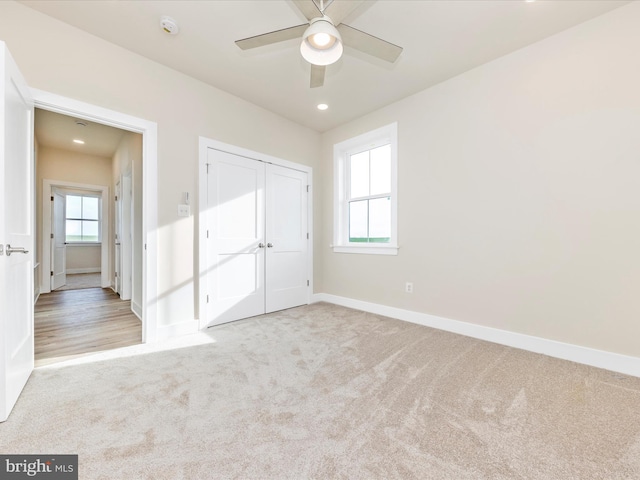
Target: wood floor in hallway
point(72, 323)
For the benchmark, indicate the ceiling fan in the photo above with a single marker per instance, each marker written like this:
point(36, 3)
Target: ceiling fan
point(324, 36)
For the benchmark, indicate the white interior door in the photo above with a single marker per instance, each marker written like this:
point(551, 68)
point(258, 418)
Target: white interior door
point(125, 238)
point(118, 234)
point(58, 245)
point(257, 237)
point(236, 245)
point(287, 242)
point(16, 233)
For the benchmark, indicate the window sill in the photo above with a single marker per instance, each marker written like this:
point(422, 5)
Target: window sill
point(367, 250)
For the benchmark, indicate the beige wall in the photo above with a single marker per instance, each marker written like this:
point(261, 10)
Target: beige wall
point(83, 258)
point(57, 58)
point(519, 205)
point(75, 167)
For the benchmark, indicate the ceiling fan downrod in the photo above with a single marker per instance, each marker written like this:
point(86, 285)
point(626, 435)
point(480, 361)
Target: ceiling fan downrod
point(321, 5)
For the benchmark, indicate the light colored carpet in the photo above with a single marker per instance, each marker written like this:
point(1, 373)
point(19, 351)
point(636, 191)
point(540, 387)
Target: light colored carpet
point(327, 392)
point(76, 281)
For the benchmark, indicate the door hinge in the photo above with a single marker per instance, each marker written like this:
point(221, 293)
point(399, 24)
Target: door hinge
point(207, 298)
point(116, 198)
point(116, 274)
point(307, 283)
point(145, 246)
point(52, 198)
point(51, 273)
point(52, 235)
point(207, 233)
point(208, 168)
point(308, 188)
point(307, 236)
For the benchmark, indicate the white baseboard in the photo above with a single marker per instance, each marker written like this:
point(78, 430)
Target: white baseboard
point(71, 271)
point(177, 329)
point(588, 356)
point(136, 309)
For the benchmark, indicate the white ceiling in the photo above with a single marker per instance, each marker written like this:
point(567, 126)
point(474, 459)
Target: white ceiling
point(441, 39)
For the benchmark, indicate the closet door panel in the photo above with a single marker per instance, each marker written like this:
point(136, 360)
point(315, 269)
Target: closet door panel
point(286, 235)
point(236, 191)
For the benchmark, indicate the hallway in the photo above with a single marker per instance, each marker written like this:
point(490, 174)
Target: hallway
point(72, 323)
point(75, 281)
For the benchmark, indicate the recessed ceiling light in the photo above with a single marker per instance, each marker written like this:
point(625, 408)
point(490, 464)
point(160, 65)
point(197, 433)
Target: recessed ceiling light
point(322, 106)
point(81, 142)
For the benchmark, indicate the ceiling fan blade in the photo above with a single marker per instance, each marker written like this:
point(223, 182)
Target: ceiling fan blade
point(272, 37)
point(369, 44)
point(339, 9)
point(308, 8)
point(317, 75)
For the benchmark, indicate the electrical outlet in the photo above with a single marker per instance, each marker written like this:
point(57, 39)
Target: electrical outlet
point(408, 287)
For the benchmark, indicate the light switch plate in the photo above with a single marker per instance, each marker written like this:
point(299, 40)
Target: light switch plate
point(183, 211)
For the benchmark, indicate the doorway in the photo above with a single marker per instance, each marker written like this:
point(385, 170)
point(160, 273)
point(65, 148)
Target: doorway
point(145, 231)
point(75, 241)
point(81, 308)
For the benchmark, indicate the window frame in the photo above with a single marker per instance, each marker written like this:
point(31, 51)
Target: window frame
point(98, 221)
point(341, 154)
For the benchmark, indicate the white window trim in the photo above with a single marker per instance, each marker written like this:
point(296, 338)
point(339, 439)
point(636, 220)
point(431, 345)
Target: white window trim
point(381, 136)
point(99, 220)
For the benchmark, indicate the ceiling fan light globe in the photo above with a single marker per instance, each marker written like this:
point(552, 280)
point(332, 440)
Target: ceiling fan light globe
point(321, 43)
point(321, 57)
point(321, 40)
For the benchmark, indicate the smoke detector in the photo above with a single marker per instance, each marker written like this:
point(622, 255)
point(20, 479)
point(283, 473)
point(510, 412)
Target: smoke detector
point(169, 25)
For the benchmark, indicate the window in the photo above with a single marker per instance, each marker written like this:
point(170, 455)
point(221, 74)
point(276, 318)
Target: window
point(82, 219)
point(365, 193)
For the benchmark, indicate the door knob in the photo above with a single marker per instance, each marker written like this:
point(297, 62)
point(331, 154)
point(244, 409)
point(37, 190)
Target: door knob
point(11, 250)
point(261, 245)
point(270, 245)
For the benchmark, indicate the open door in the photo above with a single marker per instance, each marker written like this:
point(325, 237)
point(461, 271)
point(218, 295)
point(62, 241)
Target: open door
point(117, 271)
point(124, 216)
point(58, 245)
point(125, 238)
point(16, 233)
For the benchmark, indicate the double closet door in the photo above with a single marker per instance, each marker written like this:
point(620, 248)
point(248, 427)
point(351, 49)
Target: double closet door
point(257, 245)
